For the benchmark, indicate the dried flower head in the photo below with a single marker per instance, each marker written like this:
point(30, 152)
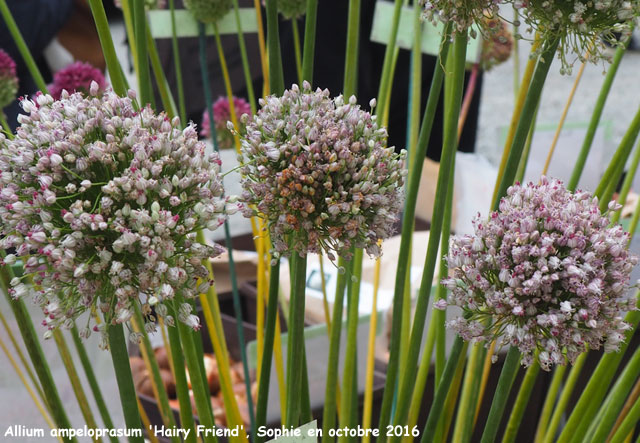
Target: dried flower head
point(103, 202)
point(580, 25)
point(76, 77)
point(318, 170)
point(208, 11)
point(462, 14)
point(497, 44)
point(8, 79)
point(221, 115)
point(544, 273)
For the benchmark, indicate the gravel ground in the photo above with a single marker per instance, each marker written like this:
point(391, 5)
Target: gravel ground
point(497, 100)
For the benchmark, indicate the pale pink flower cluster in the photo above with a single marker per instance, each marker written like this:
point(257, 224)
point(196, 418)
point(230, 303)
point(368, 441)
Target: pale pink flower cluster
point(221, 115)
point(102, 202)
point(545, 273)
point(318, 170)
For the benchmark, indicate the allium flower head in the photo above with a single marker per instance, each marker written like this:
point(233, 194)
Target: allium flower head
point(543, 273)
point(76, 77)
point(318, 170)
point(8, 79)
point(462, 14)
point(102, 204)
point(291, 9)
point(208, 11)
point(497, 45)
point(580, 25)
point(221, 115)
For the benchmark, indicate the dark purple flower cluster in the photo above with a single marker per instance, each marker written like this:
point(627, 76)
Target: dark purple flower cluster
point(76, 77)
point(8, 79)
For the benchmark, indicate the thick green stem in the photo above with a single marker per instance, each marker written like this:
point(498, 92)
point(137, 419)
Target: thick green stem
point(550, 431)
point(200, 389)
point(93, 381)
point(515, 418)
point(245, 60)
point(128, 398)
point(549, 402)
point(269, 334)
point(296, 48)
point(182, 388)
point(386, 78)
point(627, 425)
point(22, 46)
point(351, 62)
point(595, 118)
point(177, 65)
point(295, 343)
point(526, 118)
point(118, 82)
point(309, 45)
point(628, 180)
point(593, 393)
point(330, 403)
point(617, 398)
point(458, 350)
point(349, 385)
point(413, 183)
point(616, 166)
point(469, 397)
point(40, 365)
point(507, 376)
point(276, 76)
point(161, 393)
point(455, 75)
point(522, 166)
point(163, 86)
point(76, 385)
point(143, 73)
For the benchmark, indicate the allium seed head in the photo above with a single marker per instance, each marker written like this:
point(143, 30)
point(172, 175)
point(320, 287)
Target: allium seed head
point(319, 168)
point(462, 14)
point(550, 275)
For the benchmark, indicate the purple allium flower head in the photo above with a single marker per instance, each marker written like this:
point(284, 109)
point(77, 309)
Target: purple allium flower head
point(581, 26)
point(318, 169)
point(76, 77)
point(103, 202)
point(208, 11)
point(221, 115)
point(8, 79)
point(462, 14)
point(545, 273)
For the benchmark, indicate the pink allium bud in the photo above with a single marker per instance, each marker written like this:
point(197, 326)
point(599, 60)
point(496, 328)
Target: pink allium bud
point(222, 116)
point(333, 185)
point(77, 77)
point(551, 276)
point(8, 79)
point(71, 203)
point(497, 44)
